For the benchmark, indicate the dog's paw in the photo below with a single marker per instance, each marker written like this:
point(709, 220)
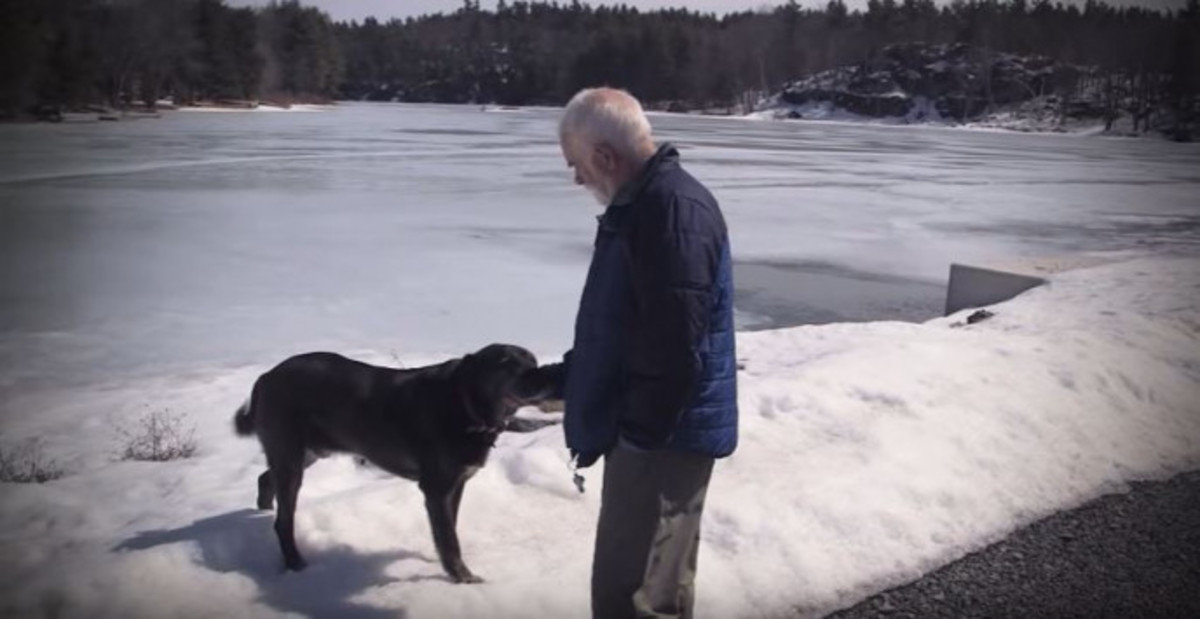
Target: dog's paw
point(467, 578)
point(295, 566)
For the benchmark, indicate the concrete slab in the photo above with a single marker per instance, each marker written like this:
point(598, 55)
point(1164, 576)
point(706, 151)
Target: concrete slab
point(982, 285)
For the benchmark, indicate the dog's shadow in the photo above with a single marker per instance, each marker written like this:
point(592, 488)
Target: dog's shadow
point(244, 541)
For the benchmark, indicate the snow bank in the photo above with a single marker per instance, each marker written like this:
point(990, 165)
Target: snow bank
point(299, 107)
point(870, 454)
point(1021, 118)
point(923, 112)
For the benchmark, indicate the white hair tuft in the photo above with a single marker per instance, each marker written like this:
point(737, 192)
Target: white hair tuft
point(607, 116)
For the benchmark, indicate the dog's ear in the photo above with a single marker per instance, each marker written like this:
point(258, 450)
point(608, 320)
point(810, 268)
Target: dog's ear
point(471, 389)
point(525, 356)
point(464, 373)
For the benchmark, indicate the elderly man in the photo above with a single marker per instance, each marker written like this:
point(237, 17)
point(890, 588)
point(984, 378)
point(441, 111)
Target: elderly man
point(650, 383)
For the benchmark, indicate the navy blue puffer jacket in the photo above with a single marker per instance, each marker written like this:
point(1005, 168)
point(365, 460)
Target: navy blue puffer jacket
point(654, 356)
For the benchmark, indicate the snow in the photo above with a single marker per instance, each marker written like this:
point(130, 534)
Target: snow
point(871, 453)
point(298, 107)
point(1013, 119)
point(923, 112)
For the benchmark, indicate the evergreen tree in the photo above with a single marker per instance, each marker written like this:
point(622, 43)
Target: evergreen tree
point(71, 52)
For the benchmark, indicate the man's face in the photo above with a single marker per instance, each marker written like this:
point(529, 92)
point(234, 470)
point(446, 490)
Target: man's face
point(593, 166)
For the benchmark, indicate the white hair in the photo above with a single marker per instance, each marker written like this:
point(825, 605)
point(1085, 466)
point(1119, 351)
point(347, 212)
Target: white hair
point(607, 116)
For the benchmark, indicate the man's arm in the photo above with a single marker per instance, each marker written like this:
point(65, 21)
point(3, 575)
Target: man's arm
point(674, 256)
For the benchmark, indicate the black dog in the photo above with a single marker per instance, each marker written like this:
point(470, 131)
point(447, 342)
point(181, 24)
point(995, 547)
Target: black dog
point(434, 425)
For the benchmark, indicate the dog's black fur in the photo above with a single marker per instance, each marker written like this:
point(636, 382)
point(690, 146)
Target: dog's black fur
point(434, 425)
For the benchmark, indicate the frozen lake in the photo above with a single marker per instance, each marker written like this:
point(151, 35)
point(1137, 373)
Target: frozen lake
point(205, 240)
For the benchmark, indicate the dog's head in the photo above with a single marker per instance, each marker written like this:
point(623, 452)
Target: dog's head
point(497, 380)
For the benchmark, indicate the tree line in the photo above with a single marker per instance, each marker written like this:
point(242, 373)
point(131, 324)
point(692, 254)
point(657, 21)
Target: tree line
point(76, 52)
point(67, 52)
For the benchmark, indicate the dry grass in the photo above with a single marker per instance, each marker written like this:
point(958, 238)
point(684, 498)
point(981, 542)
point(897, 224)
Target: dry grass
point(27, 464)
point(158, 436)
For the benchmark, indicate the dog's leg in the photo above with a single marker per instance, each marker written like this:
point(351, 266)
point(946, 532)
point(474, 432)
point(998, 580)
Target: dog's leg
point(266, 491)
point(455, 500)
point(266, 483)
point(442, 504)
point(287, 479)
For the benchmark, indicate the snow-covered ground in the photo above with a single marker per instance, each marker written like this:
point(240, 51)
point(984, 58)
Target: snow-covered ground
point(870, 454)
point(923, 112)
point(1035, 116)
point(1014, 119)
point(149, 270)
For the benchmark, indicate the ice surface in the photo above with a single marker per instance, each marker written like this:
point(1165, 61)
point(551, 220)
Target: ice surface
point(154, 246)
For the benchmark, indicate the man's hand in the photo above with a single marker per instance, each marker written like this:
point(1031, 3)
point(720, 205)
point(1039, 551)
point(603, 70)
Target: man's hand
point(552, 406)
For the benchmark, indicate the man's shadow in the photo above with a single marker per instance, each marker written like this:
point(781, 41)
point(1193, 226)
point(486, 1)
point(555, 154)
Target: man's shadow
point(244, 541)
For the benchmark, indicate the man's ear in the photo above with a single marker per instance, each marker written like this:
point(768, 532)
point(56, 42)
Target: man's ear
point(604, 158)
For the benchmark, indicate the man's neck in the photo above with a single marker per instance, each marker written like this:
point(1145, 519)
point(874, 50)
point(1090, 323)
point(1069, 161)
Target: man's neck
point(643, 154)
point(631, 173)
point(633, 166)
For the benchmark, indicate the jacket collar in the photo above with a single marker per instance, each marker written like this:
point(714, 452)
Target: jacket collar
point(628, 193)
point(666, 155)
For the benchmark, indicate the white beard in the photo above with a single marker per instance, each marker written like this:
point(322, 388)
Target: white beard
point(601, 196)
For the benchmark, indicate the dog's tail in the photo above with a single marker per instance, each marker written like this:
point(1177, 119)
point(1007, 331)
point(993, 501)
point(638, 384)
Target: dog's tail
point(243, 420)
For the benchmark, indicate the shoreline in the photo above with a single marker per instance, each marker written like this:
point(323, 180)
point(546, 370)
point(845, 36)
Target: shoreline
point(773, 115)
point(769, 115)
point(1076, 130)
point(260, 108)
point(1089, 130)
point(102, 113)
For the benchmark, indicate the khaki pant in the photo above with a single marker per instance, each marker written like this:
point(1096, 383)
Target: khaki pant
point(649, 534)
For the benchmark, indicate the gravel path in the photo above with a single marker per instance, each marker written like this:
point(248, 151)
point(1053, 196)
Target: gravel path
point(1121, 556)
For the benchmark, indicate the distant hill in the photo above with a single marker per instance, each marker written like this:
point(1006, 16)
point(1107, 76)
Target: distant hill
point(961, 84)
